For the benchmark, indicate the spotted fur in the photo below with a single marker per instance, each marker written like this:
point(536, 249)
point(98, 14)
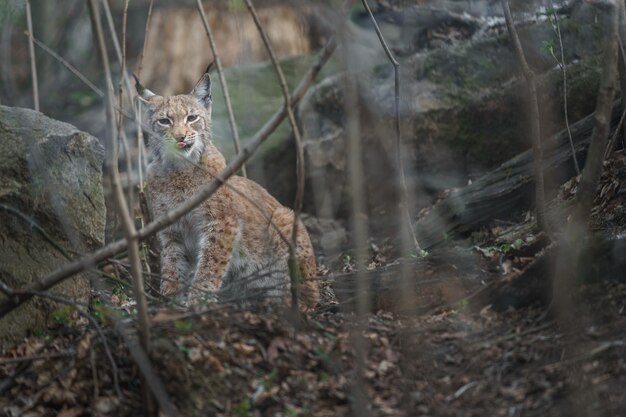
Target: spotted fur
point(227, 249)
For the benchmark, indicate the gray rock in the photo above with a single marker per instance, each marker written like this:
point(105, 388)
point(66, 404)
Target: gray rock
point(462, 113)
point(51, 209)
point(329, 237)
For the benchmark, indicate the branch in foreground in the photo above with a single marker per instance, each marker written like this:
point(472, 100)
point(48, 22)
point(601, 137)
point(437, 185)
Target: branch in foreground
point(569, 263)
point(404, 194)
point(294, 271)
point(533, 115)
point(602, 116)
point(561, 63)
point(112, 162)
point(151, 377)
point(111, 249)
point(146, 32)
point(79, 308)
point(220, 74)
point(31, 53)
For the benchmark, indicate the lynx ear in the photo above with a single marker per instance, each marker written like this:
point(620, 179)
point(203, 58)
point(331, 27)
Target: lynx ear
point(144, 94)
point(202, 90)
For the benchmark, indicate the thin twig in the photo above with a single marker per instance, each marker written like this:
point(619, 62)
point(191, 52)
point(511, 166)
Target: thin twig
point(205, 192)
point(571, 251)
point(125, 79)
point(136, 117)
point(84, 79)
point(622, 59)
point(294, 270)
point(31, 53)
point(32, 358)
point(620, 124)
point(533, 114)
point(404, 198)
point(124, 19)
point(120, 52)
point(594, 352)
point(112, 162)
point(69, 66)
point(79, 308)
point(220, 74)
point(145, 213)
point(514, 335)
point(94, 377)
point(146, 32)
point(358, 230)
point(602, 116)
point(557, 29)
point(151, 377)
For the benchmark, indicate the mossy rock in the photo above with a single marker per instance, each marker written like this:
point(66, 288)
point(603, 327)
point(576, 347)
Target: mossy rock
point(256, 95)
point(51, 209)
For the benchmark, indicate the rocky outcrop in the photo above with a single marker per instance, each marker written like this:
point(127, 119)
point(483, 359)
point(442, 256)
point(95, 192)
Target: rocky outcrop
point(51, 209)
point(462, 111)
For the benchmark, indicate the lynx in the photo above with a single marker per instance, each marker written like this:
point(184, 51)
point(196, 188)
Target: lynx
point(229, 248)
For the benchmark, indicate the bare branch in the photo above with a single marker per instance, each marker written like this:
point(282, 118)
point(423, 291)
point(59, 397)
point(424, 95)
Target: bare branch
point(37, 357)
point(220, 73)
point(557, 29)
point(150, 376)
point(618, 129)
point(112, 162)
point(146, 32)
point(124, 19)
point(404, 198)
point(621, 39)
point(120, 51)
point(533, 114)
point(571, 251)
point(602, 116)
point(84, 79)
point(359, 233)
point(294, 271)
point(69, 66)
point(121, 57)
point(111, 249)
point(31, 53)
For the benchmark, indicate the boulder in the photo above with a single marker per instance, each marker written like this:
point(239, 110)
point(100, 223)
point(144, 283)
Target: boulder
point(51, 209)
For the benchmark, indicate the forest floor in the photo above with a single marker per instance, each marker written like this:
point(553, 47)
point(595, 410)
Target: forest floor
point(460, 356)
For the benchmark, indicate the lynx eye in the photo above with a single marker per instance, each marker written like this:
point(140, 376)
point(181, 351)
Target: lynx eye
point(164, 122)
point(192, 118)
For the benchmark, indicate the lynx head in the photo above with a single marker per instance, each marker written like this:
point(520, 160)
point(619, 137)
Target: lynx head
point(180, 126)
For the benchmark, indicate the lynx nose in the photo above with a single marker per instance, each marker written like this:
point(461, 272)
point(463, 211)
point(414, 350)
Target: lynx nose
point(180, 137)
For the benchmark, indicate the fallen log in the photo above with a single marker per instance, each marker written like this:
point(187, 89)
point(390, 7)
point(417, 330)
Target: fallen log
point(603, 260)
point(508, 189)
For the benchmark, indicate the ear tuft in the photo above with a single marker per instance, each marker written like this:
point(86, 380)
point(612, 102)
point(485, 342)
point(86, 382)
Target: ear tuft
point(143, 92)
point(202, 90)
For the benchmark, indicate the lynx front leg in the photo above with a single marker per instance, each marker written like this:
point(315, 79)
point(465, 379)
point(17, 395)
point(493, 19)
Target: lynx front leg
point(174, 264)
point(216, 249)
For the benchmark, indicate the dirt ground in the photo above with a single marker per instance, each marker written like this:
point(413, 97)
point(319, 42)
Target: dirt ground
point(234, 362)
